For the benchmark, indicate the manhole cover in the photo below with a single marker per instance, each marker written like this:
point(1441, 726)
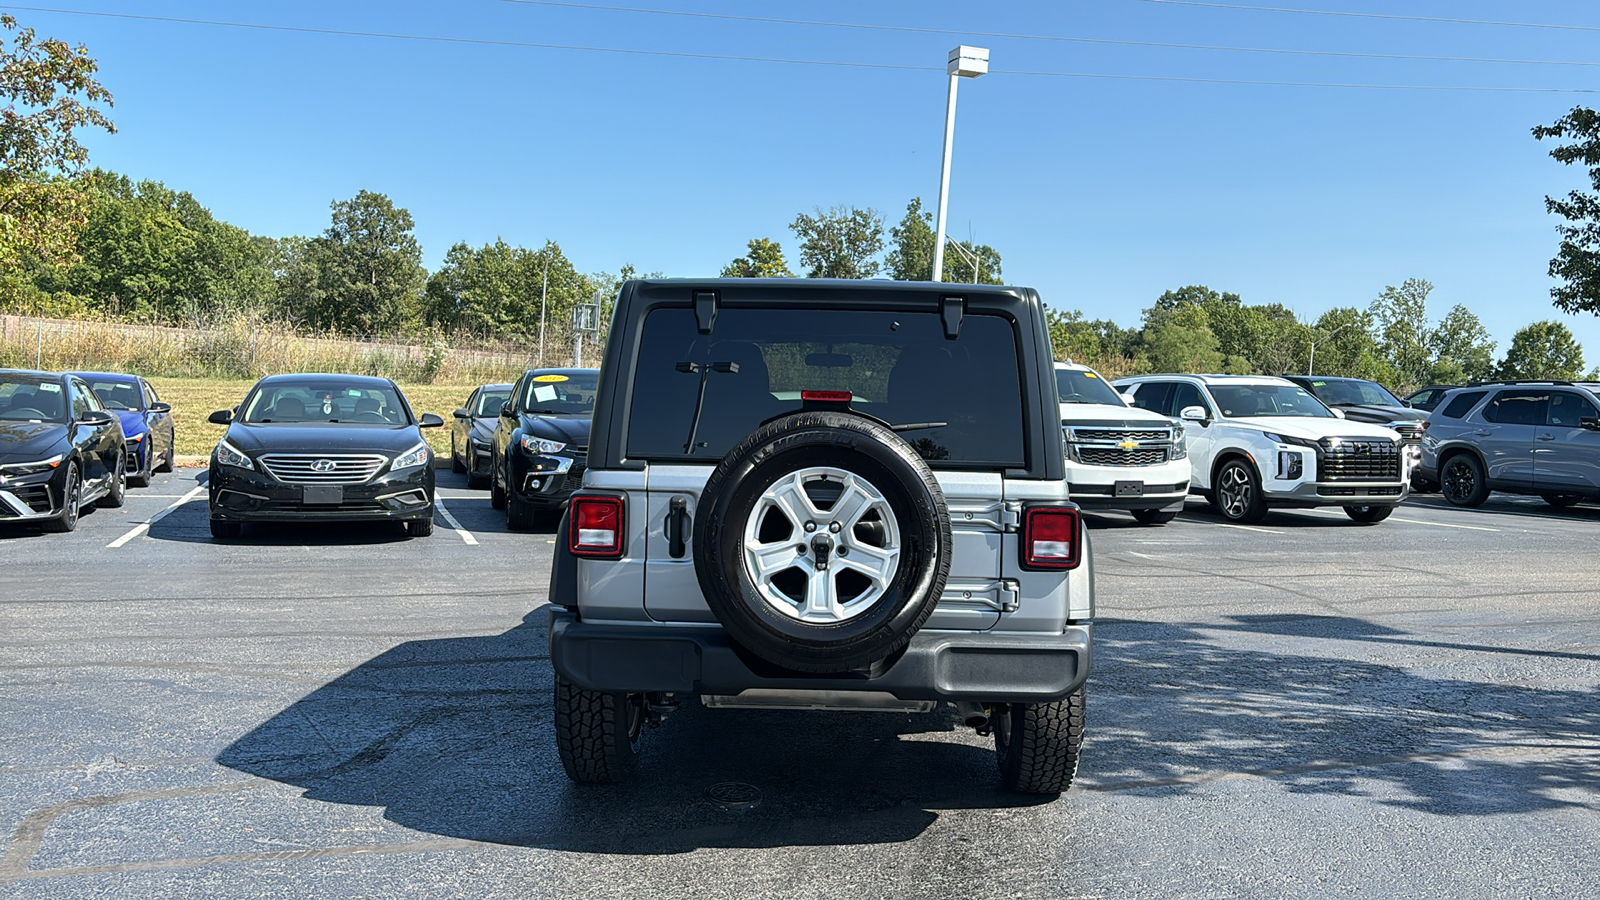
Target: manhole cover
point(734, 795)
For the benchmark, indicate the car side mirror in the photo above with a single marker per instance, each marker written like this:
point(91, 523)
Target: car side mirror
point(160, 407)
point(1126, 398)
point(462, 413)
point(1589, 423)
point(1194, 414)
point(1338, 413)
point(98, 417)
point(429, 420)
point(220, 417)
point(505, 411)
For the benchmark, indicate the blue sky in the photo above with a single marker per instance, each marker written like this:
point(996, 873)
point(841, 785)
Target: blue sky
point(1100, 192)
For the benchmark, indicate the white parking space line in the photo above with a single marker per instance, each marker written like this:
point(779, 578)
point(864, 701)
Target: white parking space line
point(1441, 524)
point(145, 526)
point(1247, 528)
point(438, 504)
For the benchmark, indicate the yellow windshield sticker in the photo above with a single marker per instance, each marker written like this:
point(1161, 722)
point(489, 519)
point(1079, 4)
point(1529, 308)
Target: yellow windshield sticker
point(549, 378)
point(1090, 375)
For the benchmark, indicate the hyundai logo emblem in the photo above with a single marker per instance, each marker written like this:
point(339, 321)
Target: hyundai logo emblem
point(322, 466)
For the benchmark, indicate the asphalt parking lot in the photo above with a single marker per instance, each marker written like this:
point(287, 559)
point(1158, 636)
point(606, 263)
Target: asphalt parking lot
point(1303, 708)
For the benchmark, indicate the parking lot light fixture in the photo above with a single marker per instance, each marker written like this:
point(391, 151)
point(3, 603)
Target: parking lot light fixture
point(963, 62)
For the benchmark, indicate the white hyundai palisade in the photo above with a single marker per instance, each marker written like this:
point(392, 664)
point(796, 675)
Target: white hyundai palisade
point(1257, 442)
point(1119, 456)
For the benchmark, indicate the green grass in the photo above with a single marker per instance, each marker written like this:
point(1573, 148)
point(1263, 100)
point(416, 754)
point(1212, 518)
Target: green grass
point(193, 399)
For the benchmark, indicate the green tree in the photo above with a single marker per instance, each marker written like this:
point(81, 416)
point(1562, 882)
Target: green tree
point(502, 291)
point(910, 257)
point(839, 243)
point(50, 91)
point(1462, 350)
point(765, 260)
point(1543, 350)
point(1401, 317)
point(1577, 260)
point(1182, 342)
point(1346, 345)
point(369, 268)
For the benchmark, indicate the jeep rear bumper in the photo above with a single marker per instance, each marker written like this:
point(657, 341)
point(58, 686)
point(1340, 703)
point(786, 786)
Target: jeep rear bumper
point(989, 667)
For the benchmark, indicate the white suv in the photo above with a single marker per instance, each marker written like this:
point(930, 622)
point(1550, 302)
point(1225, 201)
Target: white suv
point(1119, 456)
point(1257, 442)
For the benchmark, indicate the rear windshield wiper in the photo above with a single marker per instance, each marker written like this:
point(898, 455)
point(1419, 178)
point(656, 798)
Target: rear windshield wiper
point(919, 426)
point(704, 371)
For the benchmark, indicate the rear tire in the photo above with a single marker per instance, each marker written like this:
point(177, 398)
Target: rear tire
point(1037, 744)
point(597, 734)
point(1368, 515)
point(1560, 501)
point(72, 497)
point(1154, 516)
point(225, 531)
point(1462, 481)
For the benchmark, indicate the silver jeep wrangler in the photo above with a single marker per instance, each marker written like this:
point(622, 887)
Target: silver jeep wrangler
point(811, 494)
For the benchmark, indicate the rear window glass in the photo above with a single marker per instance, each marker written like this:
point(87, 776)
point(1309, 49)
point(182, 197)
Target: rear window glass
point(964, 394)
point(1460, 404)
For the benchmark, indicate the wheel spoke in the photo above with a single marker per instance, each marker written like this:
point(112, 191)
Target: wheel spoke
point(770, 559)
point(850, 506)
point(791, 500)
point(876, 563)
point(820, 597)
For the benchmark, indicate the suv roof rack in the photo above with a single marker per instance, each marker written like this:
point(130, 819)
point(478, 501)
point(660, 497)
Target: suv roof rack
point(1521, 381)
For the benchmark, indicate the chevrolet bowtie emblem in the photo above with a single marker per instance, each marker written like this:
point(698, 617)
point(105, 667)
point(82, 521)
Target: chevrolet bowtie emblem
point(1128, 445)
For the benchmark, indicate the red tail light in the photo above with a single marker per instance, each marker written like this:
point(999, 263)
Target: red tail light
point(595, 527)
point(1050, 538)
point(825, 396)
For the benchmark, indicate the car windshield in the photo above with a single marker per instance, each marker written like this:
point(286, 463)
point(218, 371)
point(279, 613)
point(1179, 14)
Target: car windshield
point(117, 394)
point(29, 398)
point(958, 402)
point(1079, 386)
point(325, 402)
point(1352, 392)
point(1239, 400)
point(561, 393)
point(489, 402)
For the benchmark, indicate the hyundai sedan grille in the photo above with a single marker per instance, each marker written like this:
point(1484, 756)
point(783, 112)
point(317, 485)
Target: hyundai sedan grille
point(322, 468)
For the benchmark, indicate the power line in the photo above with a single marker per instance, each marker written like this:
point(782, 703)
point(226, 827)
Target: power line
point(301, 29)
point(1361, 15)
point(911, 29)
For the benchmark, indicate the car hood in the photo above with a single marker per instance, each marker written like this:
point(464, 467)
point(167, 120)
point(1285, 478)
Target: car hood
point(558, 428)
point(29, 441)
point(345, 438)
point(1313, 429)
point(1382, 414)
point(132, 421)
point(1106, 414)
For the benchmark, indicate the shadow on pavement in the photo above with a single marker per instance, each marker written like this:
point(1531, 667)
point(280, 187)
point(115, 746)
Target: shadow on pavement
point(453, 737)
point(1172, 707)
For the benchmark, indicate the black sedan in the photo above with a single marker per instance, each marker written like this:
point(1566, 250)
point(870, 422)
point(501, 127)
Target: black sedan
point(59, 450)
point(309, 448)
point(541, 446)
point(472, 435)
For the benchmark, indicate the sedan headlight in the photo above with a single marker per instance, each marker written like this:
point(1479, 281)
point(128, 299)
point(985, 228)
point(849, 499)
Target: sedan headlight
point(229, 455)
point(136, 438)
point(32, 468)
point(416, 456)
point(540, 445)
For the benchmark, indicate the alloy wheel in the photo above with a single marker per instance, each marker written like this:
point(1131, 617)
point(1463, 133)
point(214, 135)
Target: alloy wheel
point(1234, 491)
point(1459, 481)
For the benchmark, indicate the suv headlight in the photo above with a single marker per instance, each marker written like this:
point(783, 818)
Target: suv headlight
point(540, 445)
point(33, 468)
point(1180, 442)
point(229, 455)
point(416, 456)
point(1289, 439)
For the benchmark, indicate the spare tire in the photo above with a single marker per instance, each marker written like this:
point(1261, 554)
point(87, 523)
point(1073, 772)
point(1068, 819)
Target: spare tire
point(822, 542)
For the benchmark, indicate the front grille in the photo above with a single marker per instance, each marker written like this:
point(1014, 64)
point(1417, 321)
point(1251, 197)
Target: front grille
point(302, 468)
point(1389, 491)
point(1114, 435)
point(34, 496)
point(1410, 432)
point(1358, 459)
point(1115, 456)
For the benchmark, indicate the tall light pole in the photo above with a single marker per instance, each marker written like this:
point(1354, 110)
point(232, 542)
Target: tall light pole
point(964, 62)
point(1311, 366)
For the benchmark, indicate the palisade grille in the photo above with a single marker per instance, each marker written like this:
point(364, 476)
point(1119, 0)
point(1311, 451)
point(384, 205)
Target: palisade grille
point(323, 468)
point(1358, 459)
point(1115, 456)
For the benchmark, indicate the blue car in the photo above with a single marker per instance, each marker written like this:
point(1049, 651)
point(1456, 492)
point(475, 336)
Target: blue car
point(146, 421)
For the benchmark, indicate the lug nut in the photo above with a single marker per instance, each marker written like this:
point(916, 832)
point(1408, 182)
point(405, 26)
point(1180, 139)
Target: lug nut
point(810, 527)
point(833, 527)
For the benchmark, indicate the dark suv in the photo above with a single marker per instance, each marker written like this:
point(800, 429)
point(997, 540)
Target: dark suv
point(808, 494)
point(1540, 438)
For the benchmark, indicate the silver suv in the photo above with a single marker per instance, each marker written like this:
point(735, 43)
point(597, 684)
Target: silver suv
point(1540, 438)
point(815, 495)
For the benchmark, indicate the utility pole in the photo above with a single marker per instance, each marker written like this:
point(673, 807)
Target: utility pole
point(964, 62)
point(1311, 365)
point(544, 288)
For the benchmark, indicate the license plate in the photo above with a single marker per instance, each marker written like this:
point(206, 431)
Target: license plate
point(1130, 489)
point(322, 495)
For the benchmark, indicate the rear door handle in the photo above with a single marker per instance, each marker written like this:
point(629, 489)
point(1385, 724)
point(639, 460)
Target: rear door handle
point(1483, 433)
point(677, 527)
